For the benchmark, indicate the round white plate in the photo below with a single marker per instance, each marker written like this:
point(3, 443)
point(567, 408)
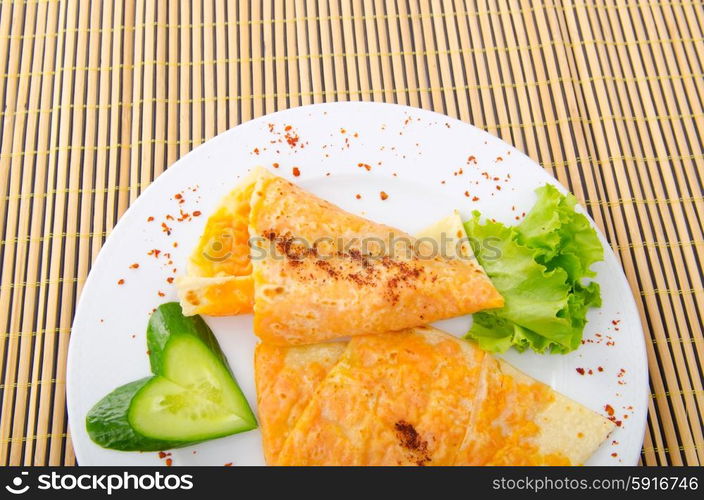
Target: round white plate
point(422, 160)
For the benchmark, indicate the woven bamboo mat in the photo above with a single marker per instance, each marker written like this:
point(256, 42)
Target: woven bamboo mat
point(98, 98)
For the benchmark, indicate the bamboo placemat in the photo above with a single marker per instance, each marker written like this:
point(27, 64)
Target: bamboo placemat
point(98, 98)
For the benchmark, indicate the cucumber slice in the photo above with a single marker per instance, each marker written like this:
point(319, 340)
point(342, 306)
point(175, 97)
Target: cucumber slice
point(107, 423)
point(192, 397)
point(164, 410)
point(185, 351)
point(168, 322)
point(190, 364)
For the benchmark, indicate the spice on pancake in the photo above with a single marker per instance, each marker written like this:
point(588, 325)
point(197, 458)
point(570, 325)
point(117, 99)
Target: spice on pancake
point(365, 271)
point(327, 267)
point(410, 439)
point(286, 245)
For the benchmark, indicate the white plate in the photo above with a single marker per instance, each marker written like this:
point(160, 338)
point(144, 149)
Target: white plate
point(420, 159)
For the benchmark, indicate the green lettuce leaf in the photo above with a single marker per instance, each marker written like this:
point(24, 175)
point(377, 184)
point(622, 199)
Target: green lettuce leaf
point(538, 267)
point(561, 237)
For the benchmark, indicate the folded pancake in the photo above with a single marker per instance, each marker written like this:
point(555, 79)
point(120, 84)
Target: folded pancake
point(392, 399)
point(218, 280)
point(416, 397)
point(319, 273)
point(286, 378)
point(216, 295)
point(517, 420)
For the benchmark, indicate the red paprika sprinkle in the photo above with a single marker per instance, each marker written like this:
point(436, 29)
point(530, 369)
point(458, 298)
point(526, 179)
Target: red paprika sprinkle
point(292, 139)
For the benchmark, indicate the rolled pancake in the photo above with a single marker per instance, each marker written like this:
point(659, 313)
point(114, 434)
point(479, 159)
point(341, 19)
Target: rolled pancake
point(320, 273)
point(423, 397)
point(351, 276)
